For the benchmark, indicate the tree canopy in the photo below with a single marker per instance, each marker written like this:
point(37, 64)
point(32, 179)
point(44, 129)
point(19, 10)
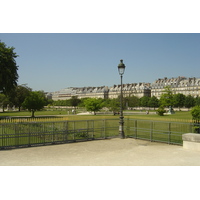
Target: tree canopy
point(166, 98)
point(153, 102)
point(8, 68)
point(3, 101)
point(114, 105)
point(35, 101)
point(93, 104)
point(179, 100)
point(19, 94)
point(189, 101)
point(196, 113)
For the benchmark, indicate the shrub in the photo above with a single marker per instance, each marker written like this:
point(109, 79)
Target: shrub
point(196, 113)
point(161, 111)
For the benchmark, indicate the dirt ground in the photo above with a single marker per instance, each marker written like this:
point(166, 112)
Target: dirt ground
point(110, 152)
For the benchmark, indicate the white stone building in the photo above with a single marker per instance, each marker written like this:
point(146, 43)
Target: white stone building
point(186, 86)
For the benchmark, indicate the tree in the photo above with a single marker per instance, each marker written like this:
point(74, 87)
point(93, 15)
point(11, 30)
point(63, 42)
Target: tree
point(93, 104)
point(166, 98)
point(42, 95)
point(196, 113)
point(35, 101)
point(8, 68)
point(74, 101)
point(179, 100)
point(196, 118)
point(153, 102)
point(197, 101)
point(3, 101)
point(124, 101)
point(144, 101)
point(189, 101)
point(114, 105)
point(161, 110)
point(133, 101)
point(19, 94)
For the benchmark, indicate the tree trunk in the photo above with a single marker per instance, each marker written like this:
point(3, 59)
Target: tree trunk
point(32, 115)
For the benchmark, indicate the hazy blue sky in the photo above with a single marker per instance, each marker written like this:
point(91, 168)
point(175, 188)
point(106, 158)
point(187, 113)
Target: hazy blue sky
point(51, 62)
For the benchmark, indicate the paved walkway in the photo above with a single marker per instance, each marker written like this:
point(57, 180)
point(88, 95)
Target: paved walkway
point(110, 152)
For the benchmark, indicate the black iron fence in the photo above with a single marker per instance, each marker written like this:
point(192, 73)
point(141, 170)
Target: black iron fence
point(159, 131)
point(26, 134)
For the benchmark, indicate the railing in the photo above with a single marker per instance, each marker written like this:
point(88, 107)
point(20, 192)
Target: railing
point(36, 133)
point(25, 134)
point(158, 131)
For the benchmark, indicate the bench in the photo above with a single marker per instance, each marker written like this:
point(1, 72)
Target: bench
point(191, 141)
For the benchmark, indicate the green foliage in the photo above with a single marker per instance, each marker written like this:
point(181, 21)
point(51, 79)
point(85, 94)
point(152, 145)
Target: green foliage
point(35, 101)
point(124, 101)
point(153, 102)
point(189, 101)
point(74, 101)
point(4, 101)
point(195, 112)
point(197, 101)
point(93, 104)
point(179, 100)
point(82, 100)
point(8, 68)
point(144, 101)
point(161, 111)
point(61, 103)
point(114, 105)
point(133, 101)
point(166, 98)
point(19, 94)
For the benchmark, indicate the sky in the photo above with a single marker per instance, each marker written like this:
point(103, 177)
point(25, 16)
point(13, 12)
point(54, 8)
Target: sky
point(53, 61)
point(80, 43)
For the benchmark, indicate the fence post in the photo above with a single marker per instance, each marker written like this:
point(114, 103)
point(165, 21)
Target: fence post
point(66, 132)
point(136, 129)
point(29, 135)
point(151, 131)
point(93, 129)
point(191, 127)
point(16, 136)
point(87, 129)
point(104, 128)
point(44, 135)
point(169, 134)
point(53, 134)
point(74, 131)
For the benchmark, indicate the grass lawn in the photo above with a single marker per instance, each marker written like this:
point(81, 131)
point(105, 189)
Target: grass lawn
point(181, 116)
point(27, 113)
point(147, 125)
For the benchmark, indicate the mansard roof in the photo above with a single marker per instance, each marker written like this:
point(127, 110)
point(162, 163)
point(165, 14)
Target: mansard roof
point(167, 81)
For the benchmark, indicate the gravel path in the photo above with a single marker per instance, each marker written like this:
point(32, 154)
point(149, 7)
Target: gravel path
point(110, 152)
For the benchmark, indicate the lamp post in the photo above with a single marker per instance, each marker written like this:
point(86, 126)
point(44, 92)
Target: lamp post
point(121, 69)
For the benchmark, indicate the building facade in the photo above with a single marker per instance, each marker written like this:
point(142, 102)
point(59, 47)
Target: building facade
point(81, 92)
point(104, 92)
point(183, 85)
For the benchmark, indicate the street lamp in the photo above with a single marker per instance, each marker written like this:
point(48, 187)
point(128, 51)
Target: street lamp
point(121, 69)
